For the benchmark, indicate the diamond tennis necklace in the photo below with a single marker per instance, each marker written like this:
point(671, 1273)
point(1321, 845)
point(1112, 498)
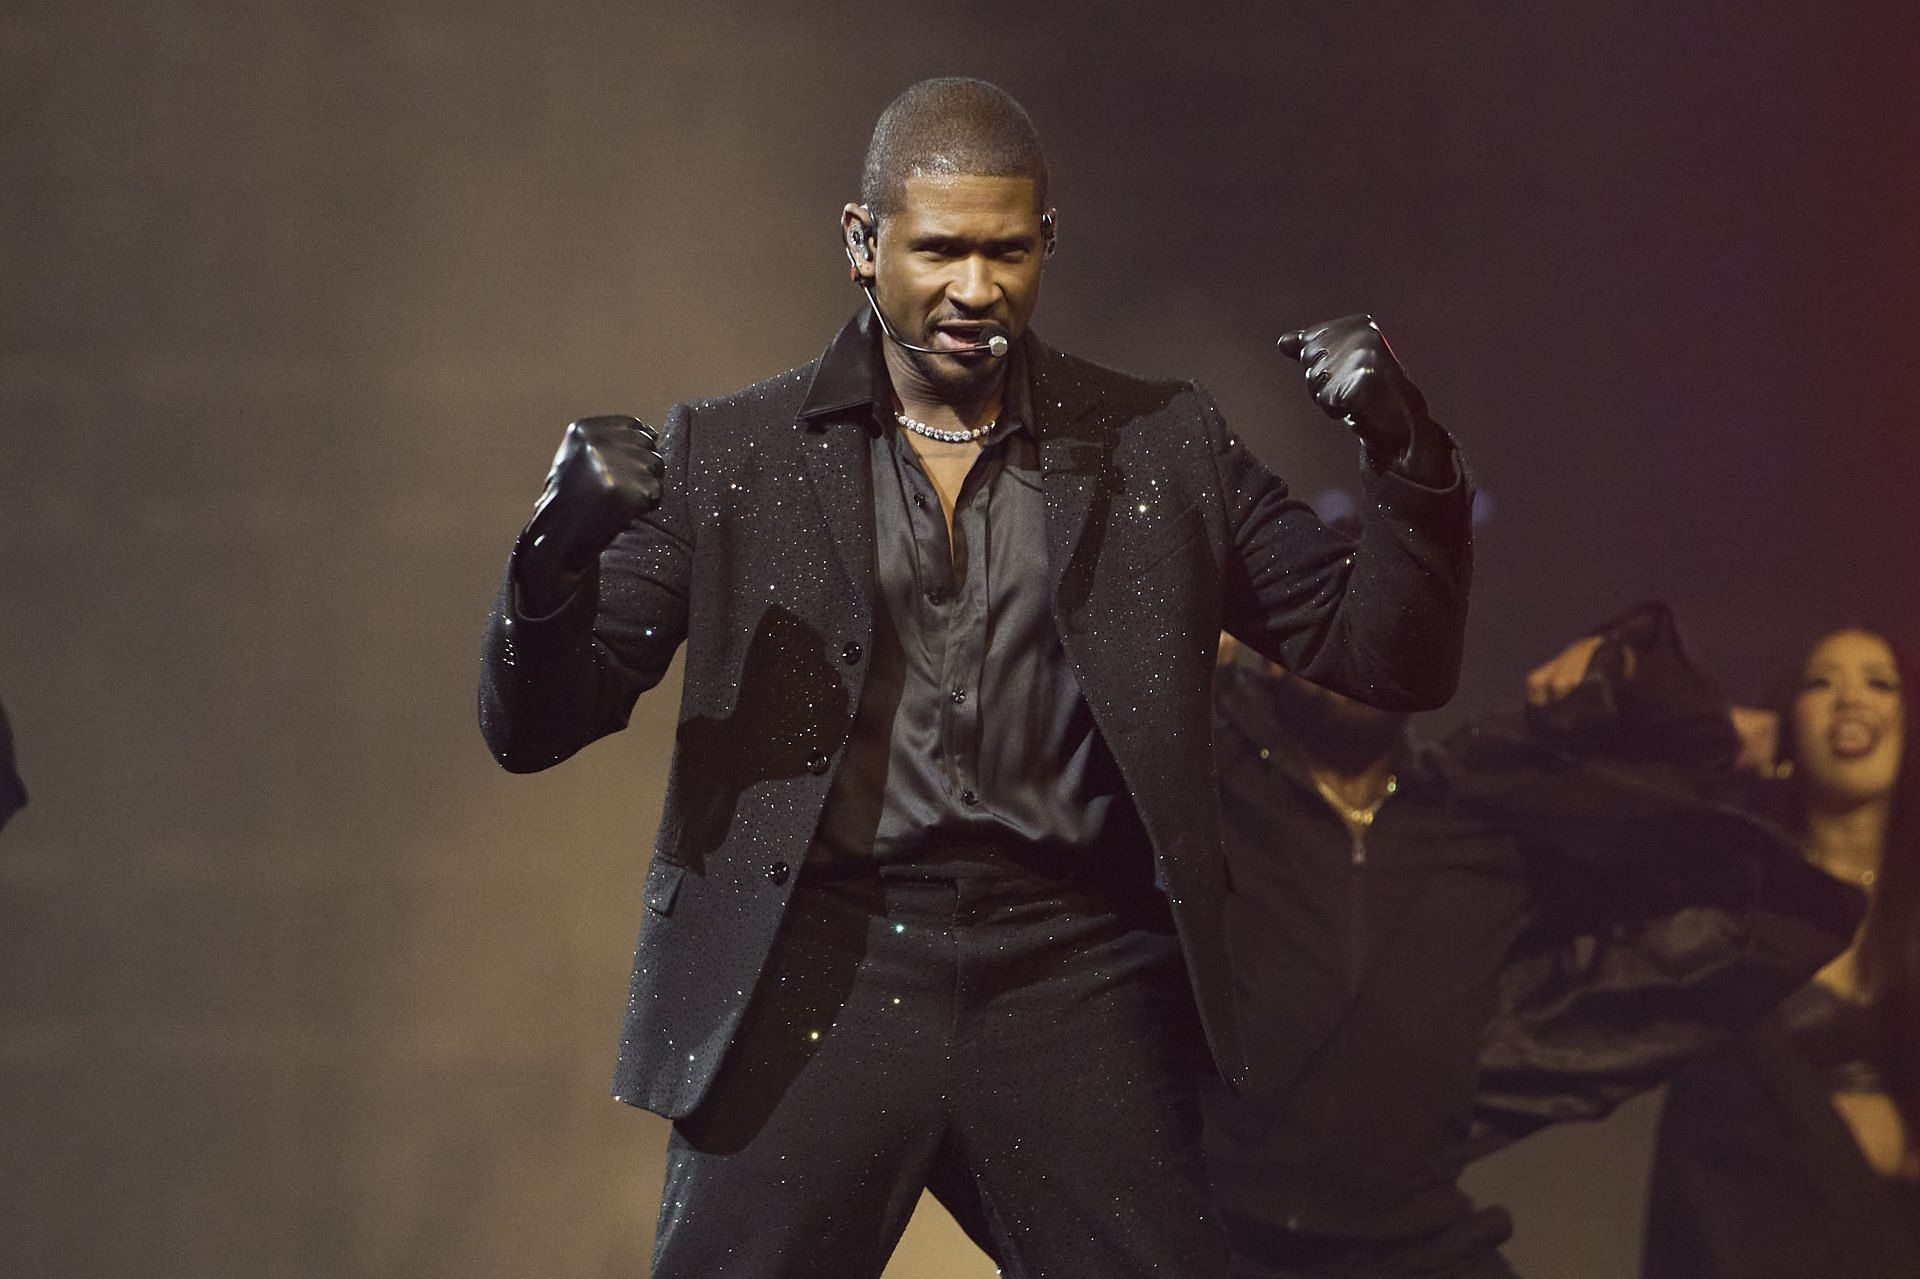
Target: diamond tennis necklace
point(945, 437)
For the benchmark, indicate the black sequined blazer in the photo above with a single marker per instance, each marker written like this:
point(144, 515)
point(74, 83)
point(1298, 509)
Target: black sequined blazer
point(1162, 530)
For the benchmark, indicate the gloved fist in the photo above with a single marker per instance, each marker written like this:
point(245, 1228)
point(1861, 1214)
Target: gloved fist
point(605, 476)
point(1354, 376)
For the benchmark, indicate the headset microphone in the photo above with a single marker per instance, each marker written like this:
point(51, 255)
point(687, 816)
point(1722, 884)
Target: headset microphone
point(996, 345)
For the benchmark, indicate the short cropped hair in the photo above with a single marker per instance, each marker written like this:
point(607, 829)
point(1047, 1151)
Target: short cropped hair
point(950, 125)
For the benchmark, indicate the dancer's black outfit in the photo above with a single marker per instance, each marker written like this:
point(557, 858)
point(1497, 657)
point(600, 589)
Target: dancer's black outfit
point(940, 829)
point(1756, 1176)
point(1544, 918)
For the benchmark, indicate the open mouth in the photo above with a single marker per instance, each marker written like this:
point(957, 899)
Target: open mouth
point(1852, 738)
point(958, 336)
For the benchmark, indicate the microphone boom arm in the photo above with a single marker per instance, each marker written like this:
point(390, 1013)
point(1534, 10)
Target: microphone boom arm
point(996, 345)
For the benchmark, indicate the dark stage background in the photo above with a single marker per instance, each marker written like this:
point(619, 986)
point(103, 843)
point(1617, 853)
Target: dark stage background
point(297, 297)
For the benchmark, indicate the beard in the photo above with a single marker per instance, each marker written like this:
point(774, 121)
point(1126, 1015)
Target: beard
point(963, 380)
point(956, 379)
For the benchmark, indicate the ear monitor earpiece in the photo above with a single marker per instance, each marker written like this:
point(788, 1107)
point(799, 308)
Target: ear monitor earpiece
point(1048, 236)
point(857, 239)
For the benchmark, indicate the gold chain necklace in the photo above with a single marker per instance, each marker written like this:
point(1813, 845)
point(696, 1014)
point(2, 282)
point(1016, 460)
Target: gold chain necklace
point(1361, 817)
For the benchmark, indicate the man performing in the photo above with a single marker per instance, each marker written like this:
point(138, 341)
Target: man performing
point(1439, 951)
point(940, 830)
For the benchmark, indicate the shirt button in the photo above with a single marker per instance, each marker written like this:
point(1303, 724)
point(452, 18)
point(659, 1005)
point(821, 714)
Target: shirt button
point(817, 763)
point(958, 696)
point(920, 500)
point(968, 798)
point(936, 597)
point(851, 653)
point(778, 872)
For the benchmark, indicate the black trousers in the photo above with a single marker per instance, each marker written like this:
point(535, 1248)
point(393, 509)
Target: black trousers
point(1027, 1050)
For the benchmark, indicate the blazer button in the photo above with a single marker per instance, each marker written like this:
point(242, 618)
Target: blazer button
point(778, 872)
point(818, 763)
point(851, 653)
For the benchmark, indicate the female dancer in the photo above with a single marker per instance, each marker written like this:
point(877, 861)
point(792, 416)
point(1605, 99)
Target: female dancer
point(1794, 1150)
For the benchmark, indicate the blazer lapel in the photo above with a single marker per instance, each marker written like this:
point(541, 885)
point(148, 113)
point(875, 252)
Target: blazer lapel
point(1072, 458)
point(832, 429)
point(837, 464)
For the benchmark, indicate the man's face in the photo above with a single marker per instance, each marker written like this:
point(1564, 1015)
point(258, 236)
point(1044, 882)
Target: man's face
point(960, 253)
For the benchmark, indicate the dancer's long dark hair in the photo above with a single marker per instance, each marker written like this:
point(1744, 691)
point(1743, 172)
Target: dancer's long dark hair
point(1890, 949)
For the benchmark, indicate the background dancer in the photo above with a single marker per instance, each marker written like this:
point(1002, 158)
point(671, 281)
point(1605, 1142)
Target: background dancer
point(1441, 950)
point(1795, 1150)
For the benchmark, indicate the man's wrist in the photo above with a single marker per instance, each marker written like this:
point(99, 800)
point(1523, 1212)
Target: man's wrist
point(542, 590)
point(1426, 458)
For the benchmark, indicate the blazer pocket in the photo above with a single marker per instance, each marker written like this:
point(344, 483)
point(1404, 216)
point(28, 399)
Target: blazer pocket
point(663, 885)
point(1169, 539)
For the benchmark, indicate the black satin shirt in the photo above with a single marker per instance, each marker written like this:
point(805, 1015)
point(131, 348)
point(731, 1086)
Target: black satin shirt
point(972, 749)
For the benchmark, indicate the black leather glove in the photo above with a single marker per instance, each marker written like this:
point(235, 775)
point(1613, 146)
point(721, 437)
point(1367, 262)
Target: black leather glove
point(605, 476)
point(1354, 376)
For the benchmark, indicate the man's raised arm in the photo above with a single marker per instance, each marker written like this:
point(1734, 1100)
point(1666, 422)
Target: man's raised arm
point(1382, 619)
point(593, 603)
